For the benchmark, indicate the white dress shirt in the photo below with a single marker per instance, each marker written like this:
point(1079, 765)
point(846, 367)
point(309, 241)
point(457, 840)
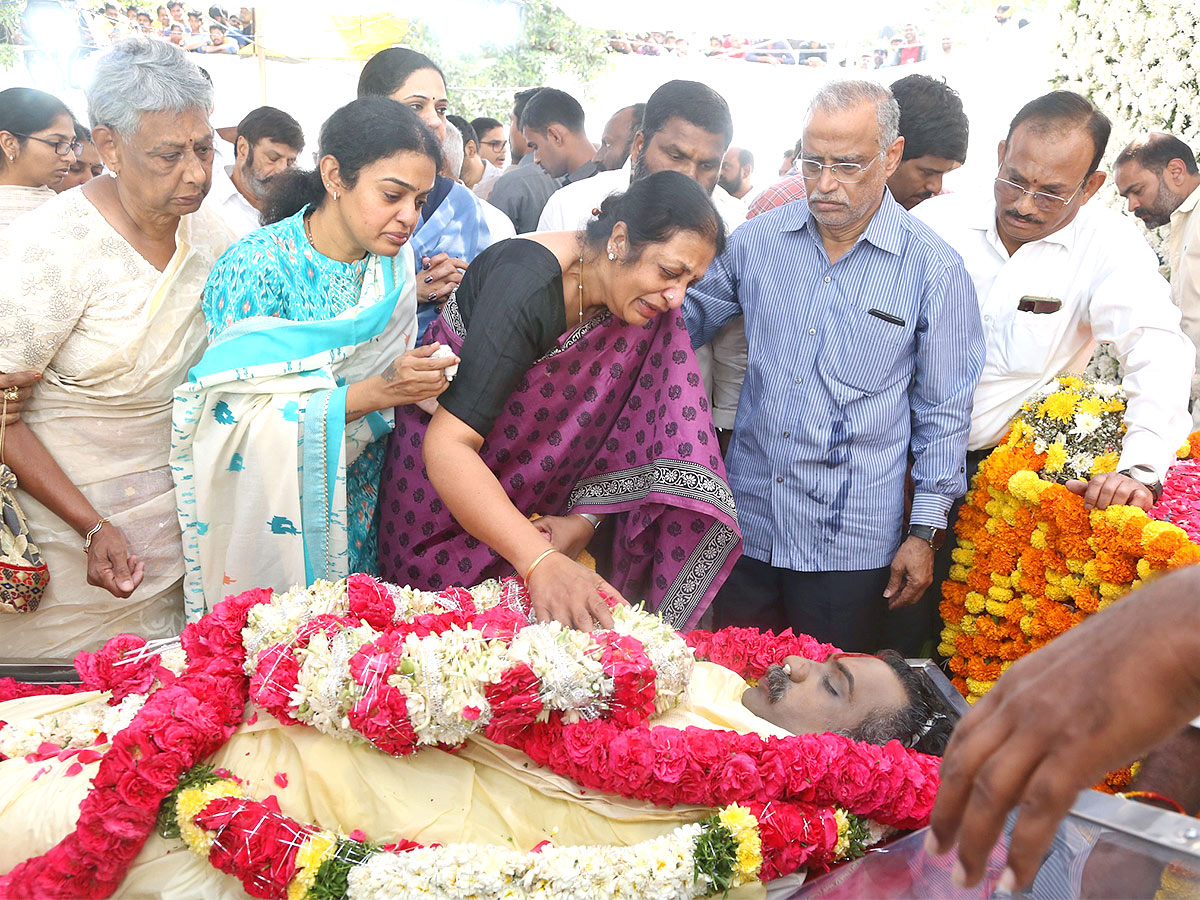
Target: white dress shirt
point(1183, 253)
point(1101, 269)
point(227, 201)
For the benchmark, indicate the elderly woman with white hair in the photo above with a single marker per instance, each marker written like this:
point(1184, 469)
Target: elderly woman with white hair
point(101, 296)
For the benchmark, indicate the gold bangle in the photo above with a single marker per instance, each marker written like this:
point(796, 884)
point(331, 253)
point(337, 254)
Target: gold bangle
point(95, 529)
point(535, 563)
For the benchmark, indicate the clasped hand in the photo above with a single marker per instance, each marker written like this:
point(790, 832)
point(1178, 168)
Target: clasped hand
point(110, 564)
point(412, 377)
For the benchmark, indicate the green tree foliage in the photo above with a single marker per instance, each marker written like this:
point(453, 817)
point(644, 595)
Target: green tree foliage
point(552, 48)
point(10, 23)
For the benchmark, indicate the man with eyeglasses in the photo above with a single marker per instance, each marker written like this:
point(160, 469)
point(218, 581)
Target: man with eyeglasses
point(1054, 275)
point(864, 349)
point(493, 150)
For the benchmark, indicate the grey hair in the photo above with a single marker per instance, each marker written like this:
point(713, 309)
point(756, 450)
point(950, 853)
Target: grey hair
point(453, 150)
point(140, 75)
point(847, 94)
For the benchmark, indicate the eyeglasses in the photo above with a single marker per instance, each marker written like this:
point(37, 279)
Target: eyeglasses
point(496, 146)
point(1012, 193)
point(62, 148)
point(845, 173)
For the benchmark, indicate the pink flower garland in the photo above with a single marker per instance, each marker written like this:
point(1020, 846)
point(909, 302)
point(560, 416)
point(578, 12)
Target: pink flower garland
point(749, 651)
point(1180, 500)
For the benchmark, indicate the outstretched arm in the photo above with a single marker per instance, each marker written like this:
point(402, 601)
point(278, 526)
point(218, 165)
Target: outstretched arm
point(560, 588)
point(1097, 698)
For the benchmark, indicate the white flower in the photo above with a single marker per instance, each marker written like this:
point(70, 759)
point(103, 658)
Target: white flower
point(1085, 424)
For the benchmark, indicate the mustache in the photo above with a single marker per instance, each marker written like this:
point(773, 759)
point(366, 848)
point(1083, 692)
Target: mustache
point(822, 197)
point(778, 682)
point(1029, 220)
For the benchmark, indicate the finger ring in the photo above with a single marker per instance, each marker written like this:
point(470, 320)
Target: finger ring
point(11, 393)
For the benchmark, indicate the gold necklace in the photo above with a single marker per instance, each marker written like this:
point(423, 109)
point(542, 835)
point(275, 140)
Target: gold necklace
point(581, 286)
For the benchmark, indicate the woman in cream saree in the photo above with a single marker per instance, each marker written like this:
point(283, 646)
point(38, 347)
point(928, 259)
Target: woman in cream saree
point(112, 337)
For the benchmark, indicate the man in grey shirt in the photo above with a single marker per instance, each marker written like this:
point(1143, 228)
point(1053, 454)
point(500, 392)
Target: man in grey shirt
point(522, 191)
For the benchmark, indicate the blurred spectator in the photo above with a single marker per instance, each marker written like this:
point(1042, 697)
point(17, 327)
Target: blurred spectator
point(617, 138)
point(246, 15)
point(164, 20)
point(175, 10)
point(815, 50)
point(234, 30)
point(789, 160)
point(452, 151)
point(911, 50)
point(267, 144)
point(772, 52)
point(218, 41)
point(195, 23)
point(947, 46)
point(493, 145)
point(37, 149)
point(218, 15)
point(553, 125)
point(1003, 14)
point(87, 163)
point(881, 57)
point(736, 168)
point(866, 61)
point(934, 128)
point(472, 168)
point(175, 34)
point(144, 23)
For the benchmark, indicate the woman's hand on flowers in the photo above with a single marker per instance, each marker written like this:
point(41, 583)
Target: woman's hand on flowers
point(568, 534)
point(562, 590)
point(413, 376)
point(440, 276)
point(1111, 489)
point(110, 565)
point(16, 388)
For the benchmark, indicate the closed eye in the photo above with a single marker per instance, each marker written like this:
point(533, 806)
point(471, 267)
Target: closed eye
point(828, 685)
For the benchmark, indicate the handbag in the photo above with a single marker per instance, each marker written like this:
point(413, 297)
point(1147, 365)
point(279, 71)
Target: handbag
point(23, 574)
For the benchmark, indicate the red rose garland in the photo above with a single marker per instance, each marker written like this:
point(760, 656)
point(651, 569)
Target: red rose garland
point(179, 725)
point(190, 719)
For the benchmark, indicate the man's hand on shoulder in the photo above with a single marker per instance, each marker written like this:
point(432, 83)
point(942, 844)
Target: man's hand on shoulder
point(1112, 489)
point(912, 573)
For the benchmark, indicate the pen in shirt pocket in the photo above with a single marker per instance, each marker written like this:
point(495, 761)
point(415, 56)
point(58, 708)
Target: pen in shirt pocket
point(887, 317)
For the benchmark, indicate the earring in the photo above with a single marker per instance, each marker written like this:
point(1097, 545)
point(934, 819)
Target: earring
point(335, 195)
point(611, 255)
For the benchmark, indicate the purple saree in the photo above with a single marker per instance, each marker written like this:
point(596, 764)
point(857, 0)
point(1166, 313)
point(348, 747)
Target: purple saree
point(611, 421)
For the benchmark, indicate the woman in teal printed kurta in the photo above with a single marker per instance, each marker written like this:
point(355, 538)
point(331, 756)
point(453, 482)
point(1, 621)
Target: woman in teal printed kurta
point(312, 323)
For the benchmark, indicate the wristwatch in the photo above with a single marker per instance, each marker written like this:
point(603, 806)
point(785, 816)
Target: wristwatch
point(930, 535)
point(1147, 477)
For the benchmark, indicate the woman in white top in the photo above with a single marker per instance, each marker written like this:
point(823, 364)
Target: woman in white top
point(101, 296)
point(37, 149)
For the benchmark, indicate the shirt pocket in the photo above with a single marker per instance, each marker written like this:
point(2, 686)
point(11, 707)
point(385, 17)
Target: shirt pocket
point(1028, 339)
point(864, 344)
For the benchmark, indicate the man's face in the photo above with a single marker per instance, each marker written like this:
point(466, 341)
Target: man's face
point(849, 136)
point(493, 147)
point(840, 694)
point(1050, 161)
point(143, 20)
point(217, 36)
point(910, 34)
point(516, 140)
point(547, 152)
point(731, 177)
point(616, 141)
point(681, 147)
point(264, 161)
point(164, 18)
point(1149, 196)
point(177, 13)
point(919, 179)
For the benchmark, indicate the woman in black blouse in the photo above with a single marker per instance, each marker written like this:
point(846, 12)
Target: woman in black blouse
point(578, 398)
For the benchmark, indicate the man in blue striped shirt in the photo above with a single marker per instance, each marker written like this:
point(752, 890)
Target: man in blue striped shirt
point(865, 346)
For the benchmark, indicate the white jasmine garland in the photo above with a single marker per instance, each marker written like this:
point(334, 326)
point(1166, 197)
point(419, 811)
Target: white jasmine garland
point(662, 868)
point(74, 728)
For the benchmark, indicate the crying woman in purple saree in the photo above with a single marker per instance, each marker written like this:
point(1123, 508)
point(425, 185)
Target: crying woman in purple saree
point(578, 399)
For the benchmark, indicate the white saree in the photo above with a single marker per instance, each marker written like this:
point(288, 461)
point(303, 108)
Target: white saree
point(261, 446)
point(112, 337)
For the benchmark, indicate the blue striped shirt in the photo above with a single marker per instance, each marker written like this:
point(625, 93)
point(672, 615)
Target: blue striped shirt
point(852, 367)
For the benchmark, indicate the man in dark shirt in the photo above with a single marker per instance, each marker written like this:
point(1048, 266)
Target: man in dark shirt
point(522, 192)
point(553, 126)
